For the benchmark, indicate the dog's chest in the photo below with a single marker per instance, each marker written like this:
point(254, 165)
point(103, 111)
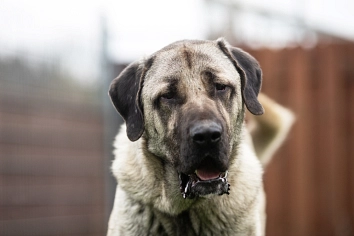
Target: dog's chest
point(190, 223)
point(164, 224)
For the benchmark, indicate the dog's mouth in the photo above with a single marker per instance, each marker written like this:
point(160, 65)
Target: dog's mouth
point(206, 179)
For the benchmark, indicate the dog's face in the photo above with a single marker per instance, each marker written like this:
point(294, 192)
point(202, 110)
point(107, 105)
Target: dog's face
point(187, 101)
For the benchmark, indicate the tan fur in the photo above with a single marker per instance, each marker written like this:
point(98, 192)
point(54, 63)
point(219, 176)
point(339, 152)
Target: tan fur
point(148, 199)
point(269, 130)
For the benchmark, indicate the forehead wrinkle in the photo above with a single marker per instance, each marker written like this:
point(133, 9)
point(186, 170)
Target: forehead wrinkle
point(167, 83)
point(186, 54)
point(189, 56)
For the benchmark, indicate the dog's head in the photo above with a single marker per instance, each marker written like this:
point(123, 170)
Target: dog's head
point(187, 101)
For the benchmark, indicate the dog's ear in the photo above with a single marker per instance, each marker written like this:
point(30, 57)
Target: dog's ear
point(250, 72)
point(125, 95)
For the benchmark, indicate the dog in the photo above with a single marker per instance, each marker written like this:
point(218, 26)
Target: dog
point(186, 161)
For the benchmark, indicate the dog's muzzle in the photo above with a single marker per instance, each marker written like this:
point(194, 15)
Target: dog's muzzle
point(207, 170)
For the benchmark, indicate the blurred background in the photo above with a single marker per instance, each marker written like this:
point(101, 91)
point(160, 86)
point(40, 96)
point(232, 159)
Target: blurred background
point(57, 59)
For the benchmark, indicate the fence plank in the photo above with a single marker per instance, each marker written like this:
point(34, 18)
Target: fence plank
point(350, 125)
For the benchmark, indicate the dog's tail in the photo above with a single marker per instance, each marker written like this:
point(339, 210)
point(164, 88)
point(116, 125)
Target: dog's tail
point(269, 131)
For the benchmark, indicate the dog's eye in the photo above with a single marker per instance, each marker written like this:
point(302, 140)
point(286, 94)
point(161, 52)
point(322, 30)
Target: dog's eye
point(220, 87)
point(168, 96)
point(209, 75)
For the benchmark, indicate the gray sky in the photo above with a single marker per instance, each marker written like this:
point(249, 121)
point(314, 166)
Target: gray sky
point(69, 29)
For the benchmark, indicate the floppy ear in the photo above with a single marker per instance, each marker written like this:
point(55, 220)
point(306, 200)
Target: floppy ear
point(125, 95)
point(251, 75)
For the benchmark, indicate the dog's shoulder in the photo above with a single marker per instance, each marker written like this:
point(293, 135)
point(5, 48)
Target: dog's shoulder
point(124, 151)
point(131, 166)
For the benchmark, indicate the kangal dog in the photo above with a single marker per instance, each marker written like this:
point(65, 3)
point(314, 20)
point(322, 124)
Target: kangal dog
point(186, 162)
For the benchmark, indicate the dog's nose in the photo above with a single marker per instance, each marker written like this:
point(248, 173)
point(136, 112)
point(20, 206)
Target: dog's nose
point(206, 133)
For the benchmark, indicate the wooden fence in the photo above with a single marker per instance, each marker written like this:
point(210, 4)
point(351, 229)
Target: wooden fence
point(310, 182)
point(51, 156)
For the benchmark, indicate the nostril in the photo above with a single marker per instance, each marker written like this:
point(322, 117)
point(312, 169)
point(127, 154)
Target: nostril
point(199, 138)
point(215, 136)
